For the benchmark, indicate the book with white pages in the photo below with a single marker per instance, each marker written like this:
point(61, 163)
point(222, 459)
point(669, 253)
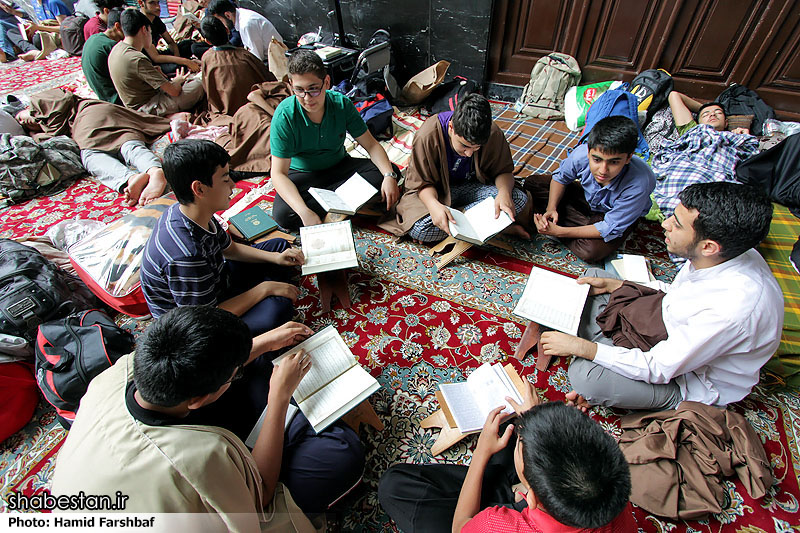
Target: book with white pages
point(347, 198)
point(471, 401)
point(553, 300)
point(291, 410)
point(328, 247)
point(477, 224)
point(336, 382)
point(630, 267)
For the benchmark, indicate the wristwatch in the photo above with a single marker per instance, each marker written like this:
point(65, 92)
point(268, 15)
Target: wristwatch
point(391, 174)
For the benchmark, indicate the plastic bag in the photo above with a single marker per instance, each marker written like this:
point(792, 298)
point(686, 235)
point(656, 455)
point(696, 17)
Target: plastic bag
point(68, 232)
point(579, 98)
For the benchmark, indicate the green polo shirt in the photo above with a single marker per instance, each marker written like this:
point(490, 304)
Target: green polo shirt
point(94, 62)
point(314, 146)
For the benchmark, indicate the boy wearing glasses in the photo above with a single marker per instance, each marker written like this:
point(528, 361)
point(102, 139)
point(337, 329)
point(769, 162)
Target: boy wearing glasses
point(142, 434)
point(307, 137)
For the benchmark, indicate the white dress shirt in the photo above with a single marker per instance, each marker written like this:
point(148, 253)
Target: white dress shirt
point(256, 32)
point(723, 324)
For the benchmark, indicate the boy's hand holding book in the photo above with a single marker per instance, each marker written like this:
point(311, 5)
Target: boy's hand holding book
point(529, 399)
point(490, 441)
point(287, 376)
point(291, 257)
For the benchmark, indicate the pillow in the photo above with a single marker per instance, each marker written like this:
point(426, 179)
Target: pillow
point(739, 121)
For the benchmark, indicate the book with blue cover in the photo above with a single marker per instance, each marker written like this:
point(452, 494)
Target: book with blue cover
point(253, 223)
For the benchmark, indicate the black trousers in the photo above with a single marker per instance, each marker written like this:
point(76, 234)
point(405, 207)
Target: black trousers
point(423, 498)
point(329, 178)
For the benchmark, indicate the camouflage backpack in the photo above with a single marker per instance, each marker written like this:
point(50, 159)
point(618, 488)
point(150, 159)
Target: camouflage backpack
point(551, 77)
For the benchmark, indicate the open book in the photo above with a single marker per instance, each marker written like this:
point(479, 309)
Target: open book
point(328, 247)
point(477, 224)
point(553, 300)
point(630, 267)
point(348, 197)
point(336, 382)
point(470, 402)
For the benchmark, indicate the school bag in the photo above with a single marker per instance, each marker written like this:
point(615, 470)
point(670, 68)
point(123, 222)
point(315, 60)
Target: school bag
point(34, 290)
point(446, 96)
point(651, 88)
point(551, 78)
point(71, 32)
point(70, 352)
point(739, 100)
point(612, 103)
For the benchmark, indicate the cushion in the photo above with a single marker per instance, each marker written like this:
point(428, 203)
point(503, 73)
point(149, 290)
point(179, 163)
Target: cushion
point(739, 121)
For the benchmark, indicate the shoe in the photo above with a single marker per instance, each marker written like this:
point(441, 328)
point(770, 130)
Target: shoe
point(13, 104)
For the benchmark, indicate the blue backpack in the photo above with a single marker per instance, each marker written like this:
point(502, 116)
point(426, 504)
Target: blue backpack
point(611, 103)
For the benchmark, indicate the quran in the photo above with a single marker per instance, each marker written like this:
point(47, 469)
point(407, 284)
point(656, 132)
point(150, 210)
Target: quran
point(553, 300)
point(328, 247)
point(477, 224)
point(253, 223)
point(348, 197)
point(336, 382)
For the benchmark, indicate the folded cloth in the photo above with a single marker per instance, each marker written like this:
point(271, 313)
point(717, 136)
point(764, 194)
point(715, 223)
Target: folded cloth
point(633, 317)
point(679, 457)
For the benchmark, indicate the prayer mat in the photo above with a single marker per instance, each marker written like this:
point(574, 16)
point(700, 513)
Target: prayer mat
point(32, 77)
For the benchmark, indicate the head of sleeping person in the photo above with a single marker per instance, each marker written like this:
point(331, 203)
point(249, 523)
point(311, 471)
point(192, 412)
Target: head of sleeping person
point(214, 31)
point(471, 125)
point(713, 114)
point(573, 469)
point(309, 80)
point(177, 359)
point(197, 171)
point(611, 144)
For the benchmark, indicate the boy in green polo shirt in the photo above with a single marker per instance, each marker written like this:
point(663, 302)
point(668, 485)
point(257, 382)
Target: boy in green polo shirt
point(307, 137)
point(94, 58)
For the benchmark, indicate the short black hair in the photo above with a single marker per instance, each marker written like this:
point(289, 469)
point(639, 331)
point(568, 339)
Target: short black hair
point(214, 31)
point(575, 469)
point(614, 135)
point(712, 104)
point(734, 215)
point(109, 4)
point(114, 16)
point(188, 352)
point(472, 119)
point(132, 21)
point(220, 7)
point(307, 62)
point(188, 160)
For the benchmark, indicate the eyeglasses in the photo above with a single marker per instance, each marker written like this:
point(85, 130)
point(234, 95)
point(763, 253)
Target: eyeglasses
point(237, 376)
point(311, 92)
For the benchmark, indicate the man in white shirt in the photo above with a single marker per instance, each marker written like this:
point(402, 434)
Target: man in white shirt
point(255, 30)
point(723, 313)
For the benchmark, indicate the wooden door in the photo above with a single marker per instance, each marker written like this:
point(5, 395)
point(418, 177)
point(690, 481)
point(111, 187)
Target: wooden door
point(704, 44)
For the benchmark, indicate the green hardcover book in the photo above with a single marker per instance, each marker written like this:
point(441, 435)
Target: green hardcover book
point(253, 223)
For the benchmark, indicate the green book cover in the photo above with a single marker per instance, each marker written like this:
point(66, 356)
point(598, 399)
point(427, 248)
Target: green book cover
point(253, 223)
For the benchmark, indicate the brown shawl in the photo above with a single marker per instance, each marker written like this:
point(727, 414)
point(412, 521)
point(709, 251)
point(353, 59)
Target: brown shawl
point(248, 140)
point(54, 110)
point(428, 168)
point(228, 77)
point(679, 457)
point(103, 126)
point(182, 27)
point(633, 317)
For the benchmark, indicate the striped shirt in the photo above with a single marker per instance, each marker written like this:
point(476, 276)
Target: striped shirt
point(183, 263)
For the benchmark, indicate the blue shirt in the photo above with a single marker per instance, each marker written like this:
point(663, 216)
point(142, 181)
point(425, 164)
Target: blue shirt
point(622, 201)
point(183, 263)
point(50, 9)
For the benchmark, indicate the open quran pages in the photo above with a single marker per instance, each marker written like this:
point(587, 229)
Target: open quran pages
point(553, 300)
point(477, 224)
point(336, 382)
point(347, 198)
point(328, 247)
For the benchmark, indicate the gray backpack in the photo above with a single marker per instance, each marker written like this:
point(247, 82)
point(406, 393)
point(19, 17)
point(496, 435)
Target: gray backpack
point(551, 77)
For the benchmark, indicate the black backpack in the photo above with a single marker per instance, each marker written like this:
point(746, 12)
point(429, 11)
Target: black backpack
point(71, 32)
point(651, 88)
point(446, 96)
point(739, 100)
point(34, 290)
point(70, 352)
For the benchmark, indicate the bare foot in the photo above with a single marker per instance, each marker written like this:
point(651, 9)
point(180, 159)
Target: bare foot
point(29, 56)
point(575, 399)
point(136, 185)
point(155, 186)
point(517, 231)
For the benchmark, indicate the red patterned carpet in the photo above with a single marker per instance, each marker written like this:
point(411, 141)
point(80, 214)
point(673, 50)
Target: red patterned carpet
point(413, 327)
